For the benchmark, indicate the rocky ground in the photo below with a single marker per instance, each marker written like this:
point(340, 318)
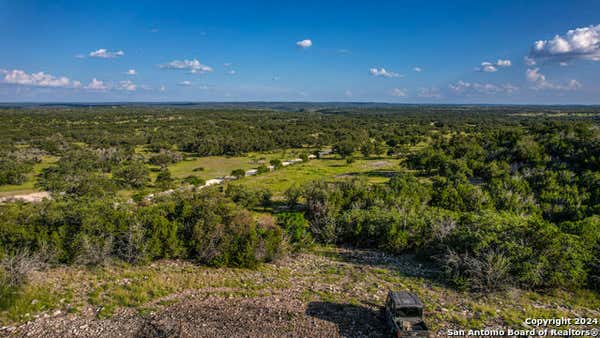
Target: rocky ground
point(331, 292)
point(203, 315)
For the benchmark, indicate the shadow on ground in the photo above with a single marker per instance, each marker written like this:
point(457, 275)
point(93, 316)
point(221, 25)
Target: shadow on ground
point(351, 320)
point(408, 265)
point(374, 173)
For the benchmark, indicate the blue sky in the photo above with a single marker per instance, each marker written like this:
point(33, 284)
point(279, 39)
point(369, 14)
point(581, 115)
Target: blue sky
point(389, 51)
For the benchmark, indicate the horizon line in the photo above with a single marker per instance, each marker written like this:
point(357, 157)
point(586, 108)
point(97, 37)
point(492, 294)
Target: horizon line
point(101, 103)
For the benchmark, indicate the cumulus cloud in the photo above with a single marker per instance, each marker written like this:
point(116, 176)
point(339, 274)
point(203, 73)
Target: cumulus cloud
point(383, 72)
point(470, 88)
point(131, 72)
point(127, 85)
point(96, 84)
point(491, 67)
point(40, 79)
point(432, 93)
point(184, 83)
point(194, 66)
point(540, 82)
point(579, 43)
point(418, 69)
point(399, 92)
point(231, 72)
point(102, 53)
point(306, 43)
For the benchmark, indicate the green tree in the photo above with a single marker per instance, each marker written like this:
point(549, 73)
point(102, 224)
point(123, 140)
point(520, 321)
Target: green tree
point(132, 174)
point(238, 173)
point(164, 179)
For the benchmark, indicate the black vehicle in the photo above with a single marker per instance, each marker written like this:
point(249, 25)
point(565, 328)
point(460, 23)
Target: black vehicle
point(404, 314)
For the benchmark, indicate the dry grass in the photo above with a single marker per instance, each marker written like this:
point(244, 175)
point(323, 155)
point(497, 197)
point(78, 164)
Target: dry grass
point(338, 276)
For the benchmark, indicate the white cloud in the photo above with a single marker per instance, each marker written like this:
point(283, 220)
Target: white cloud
point(490, 67)
point(534, 75)
point(96, 84)
point(79, 56)
point(40, 79)
point(487, 67)
point(162, 88)
point(469, 88)
point(432, 93)
point(579, 43)
point(383, 72)
point(503, 63)
point(131, 72)
point(399, 92)
point(418, 69)
point(540, 82)
point(231, 72)
point(194, 66)
point(306, 43)
point(529, 61)
point(127, 85)
point(102, 53)
point(184, 83)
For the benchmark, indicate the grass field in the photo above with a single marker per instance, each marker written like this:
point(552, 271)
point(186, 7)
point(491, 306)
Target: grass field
point(376, 170)
point(331, 168)
point(218, 166)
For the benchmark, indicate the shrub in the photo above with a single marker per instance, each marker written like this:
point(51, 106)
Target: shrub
point(262, 169)
point(270, 239)
point(320, 211)
point(238, 173)
point(14, 268)
point(194, 180)
point(487, 272)
point(248, 197)
point(92, 250)
point(276, 163)
point(296, 229)
point(13, 171)
point(164, 179)
point(131, 174)
point(292, 195)
point(165, 157)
